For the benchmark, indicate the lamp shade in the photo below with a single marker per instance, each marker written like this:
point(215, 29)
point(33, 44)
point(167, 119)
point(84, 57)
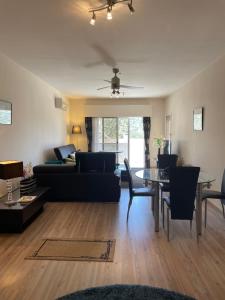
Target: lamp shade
point(76, 129)
point(11, 169)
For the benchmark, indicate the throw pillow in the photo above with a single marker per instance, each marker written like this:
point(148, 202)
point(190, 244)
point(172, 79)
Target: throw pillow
point(73, 156)
point(70, 161)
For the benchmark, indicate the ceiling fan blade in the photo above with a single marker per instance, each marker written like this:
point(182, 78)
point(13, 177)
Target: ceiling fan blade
point(106, 57)
point(104, 87)
point(94, 64)
point(109, 81)
point(131, 87)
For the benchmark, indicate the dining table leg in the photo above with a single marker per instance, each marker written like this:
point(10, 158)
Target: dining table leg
point(156, 206)
point(199, 209)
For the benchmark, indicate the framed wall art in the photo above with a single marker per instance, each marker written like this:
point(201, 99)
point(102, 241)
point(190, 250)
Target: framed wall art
point(198, 119)
point(5, 112)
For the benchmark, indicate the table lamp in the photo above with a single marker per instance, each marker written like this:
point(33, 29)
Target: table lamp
point(10, 169)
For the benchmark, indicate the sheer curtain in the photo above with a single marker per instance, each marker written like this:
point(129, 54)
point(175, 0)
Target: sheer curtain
point(97, 143)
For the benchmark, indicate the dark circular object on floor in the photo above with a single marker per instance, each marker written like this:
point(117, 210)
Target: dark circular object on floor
point(125, 292)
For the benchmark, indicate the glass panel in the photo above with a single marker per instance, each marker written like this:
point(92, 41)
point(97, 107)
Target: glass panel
point(122, 139)
point(110, 134)
point(136, 142)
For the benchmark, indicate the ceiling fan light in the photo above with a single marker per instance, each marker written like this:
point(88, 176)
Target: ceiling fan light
point(131, 8)
point(109, 13)
point(93, 19)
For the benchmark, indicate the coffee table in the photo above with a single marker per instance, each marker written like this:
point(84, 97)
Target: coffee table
point(17, 217)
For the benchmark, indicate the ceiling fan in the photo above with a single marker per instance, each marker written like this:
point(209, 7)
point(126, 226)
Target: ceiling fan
point(115, 84)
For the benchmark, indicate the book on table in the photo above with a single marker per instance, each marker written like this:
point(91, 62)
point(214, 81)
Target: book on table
point(26, 199)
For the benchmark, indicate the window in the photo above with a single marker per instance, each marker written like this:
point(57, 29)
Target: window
point(124, 135)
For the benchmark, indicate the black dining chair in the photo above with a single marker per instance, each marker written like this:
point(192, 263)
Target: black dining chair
point(180, 203)
point(166, 161)
point(209, 194)
point(136, 192)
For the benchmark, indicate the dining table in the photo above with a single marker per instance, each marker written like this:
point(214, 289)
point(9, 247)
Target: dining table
point(157, 176)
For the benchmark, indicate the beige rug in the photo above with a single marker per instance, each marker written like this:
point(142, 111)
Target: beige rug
point(68, 249)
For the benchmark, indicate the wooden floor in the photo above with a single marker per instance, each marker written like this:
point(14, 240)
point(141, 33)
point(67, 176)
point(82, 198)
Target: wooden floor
point(141, 255)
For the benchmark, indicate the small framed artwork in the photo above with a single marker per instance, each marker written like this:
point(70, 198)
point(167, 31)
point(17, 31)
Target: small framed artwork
point(5, 112)
point(198, 119)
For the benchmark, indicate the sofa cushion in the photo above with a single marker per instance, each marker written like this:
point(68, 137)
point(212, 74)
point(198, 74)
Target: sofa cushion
point(54, 169)
point(63, 152)
point(96, 162)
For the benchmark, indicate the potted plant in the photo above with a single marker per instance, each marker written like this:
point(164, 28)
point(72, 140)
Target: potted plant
point(158, 142)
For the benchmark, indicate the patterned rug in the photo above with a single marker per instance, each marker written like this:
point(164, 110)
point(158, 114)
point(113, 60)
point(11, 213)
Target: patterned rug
point(126, 292)
point(68, 249)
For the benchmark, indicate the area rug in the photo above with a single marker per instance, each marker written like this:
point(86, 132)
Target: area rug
point(126, 292)
point(68, 249)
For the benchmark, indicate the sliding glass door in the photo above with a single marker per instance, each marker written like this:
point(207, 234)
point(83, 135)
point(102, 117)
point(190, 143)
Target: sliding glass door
point(136, 142)
point(110, 134)
point(122, 135)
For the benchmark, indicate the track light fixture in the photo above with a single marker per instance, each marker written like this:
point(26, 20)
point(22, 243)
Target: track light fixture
point(93, 19)
point(109, 7)
point(130, 6)
point(109, 13)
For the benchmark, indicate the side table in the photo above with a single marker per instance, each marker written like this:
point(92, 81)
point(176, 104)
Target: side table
point(17, 217)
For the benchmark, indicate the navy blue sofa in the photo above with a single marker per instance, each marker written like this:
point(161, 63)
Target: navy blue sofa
point(92, 179)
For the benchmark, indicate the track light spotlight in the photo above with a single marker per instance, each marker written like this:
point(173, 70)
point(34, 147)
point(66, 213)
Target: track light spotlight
point(93, 19)
point(109, 13)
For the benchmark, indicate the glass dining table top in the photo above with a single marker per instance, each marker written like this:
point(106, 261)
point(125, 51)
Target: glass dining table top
point(159, 175)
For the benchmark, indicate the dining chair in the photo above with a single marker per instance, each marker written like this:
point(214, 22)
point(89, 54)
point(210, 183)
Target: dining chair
point(180, 202)
point(209, 194)
point(136, 192)
point(166, 161)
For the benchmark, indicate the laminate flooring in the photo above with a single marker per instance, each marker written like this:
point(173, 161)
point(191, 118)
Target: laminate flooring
point(141, 255)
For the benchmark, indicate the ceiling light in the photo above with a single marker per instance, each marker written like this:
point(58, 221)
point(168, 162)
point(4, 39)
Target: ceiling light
point(108, 7)
point(109, 13)
point(93, 19)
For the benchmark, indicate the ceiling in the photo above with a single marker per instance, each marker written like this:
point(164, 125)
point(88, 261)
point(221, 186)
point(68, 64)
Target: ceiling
point(161, 47)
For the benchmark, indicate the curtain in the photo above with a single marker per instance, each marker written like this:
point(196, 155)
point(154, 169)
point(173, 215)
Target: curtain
point(88, 126)
point(147, 129)
point(97, 141)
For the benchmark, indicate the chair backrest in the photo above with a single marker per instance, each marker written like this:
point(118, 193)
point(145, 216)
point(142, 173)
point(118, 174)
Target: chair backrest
point(166, 161)
point(129, 176)
point(223, 183)
point(183, 185)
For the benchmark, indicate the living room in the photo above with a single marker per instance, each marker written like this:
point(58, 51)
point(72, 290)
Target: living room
point(57, 58)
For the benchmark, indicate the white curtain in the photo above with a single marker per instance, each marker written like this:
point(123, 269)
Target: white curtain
point(97, 135)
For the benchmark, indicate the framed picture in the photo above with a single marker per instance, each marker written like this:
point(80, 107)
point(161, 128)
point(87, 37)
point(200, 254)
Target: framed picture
point(5, 112)
point(198, 119)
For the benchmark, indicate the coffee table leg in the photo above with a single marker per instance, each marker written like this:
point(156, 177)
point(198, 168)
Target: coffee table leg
point(199, 209)
point(156, 206)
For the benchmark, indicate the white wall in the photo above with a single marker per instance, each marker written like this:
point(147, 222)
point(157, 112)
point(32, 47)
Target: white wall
point(204, 148)
point(81, 108)
point(37, 126)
